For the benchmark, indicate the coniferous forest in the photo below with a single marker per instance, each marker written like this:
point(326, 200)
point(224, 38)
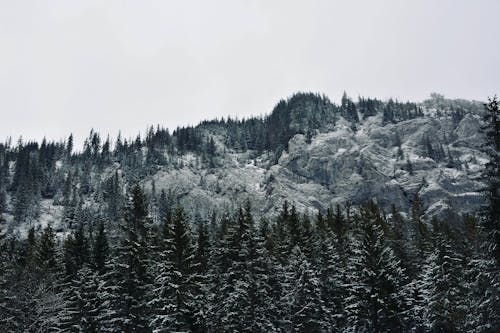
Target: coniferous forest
point(128, 259)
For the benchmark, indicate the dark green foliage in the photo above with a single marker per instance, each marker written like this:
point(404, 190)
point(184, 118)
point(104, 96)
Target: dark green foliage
point(100, 250)
point(45, 252)
point(349, 110)
point(76, 251)
point(376, 302)
point(492, 174)
point(83, 305)
point(173, 300)
point(306, 303)
point(351, 270)
point(126, 280)
point(445, 287)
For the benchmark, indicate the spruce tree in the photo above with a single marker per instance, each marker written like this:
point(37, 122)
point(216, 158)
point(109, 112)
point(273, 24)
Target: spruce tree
point(306, 305)
point(83, 304)
point(331, 269)
point(492, 175)
point(201, 278)
point(375, 303)
point(444, 286)
point(7, 299)
point(173, 306)
point(76, 251)
point(100, 249)
point(126, 280)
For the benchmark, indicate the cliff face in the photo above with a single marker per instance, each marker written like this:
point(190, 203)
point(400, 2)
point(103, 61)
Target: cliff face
point(389, 163)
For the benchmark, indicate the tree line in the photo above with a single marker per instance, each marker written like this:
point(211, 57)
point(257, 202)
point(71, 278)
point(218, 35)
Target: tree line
point(349, 269)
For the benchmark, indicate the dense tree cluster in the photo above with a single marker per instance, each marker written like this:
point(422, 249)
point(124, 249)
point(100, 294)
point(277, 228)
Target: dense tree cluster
point(359, 271)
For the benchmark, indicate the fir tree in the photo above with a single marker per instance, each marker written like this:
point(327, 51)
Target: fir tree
point(306, 304)
point(100, 249)
point(76, 251)
point(375, 303)
point(444, 288)
point(83, 305)
point(173, 303)
point(492, 174)
point(126, 280)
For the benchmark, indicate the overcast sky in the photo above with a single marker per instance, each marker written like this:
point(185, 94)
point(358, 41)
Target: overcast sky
point(69, 66)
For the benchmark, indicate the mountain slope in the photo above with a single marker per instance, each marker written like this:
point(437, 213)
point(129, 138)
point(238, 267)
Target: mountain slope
point(308, 151)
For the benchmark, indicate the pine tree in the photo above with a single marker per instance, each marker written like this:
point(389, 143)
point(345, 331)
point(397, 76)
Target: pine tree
point(100, 249)
point(235, 309)
point(375, 303)
point(76, 251)
point(482, 280)
point(45, 254)
point(492, 175)
point(306, 304)
point(7, 299)
point(444, 288)
point(173, 304)
point(201, 278)
point(331, 269)
point(262, 311)
point(83, 305)
point(126, 280)
point(69, 146)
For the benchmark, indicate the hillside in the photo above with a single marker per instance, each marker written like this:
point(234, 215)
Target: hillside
point(361, 217)
point(307, 151)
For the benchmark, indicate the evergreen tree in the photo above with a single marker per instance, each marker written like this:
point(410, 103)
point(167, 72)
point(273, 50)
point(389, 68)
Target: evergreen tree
point(375, 303)
point(100, 249)
point(83, 305)
point(69, 146)
point(173, 303)
point(306, 305)
point(201, 278)
point(76, 251)
point(45, 255)
point(331, 272)
point(7, 299)
point(444, 288)
point(126, 280)
point(492, 175)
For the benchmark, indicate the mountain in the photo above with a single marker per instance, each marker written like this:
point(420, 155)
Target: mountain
point(308, 151)
point(358, 217)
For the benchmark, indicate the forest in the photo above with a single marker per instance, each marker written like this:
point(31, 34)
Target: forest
point(140, 262)
point(351, 269)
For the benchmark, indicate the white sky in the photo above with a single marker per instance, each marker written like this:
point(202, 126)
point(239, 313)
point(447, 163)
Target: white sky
point(69, 66)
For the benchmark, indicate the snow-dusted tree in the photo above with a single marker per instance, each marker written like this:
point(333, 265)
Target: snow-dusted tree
point(201, 278)
point(331, 271)
point(7, 298)
point(232, 313)
point(306, 304)
point(376, 302)
point(172, 300)
point(492, 175)
point(444, 287)
point(76, 251)
point(83, 305)
point(262, 276)
point(126, 280)
point(242, 277)
point(482, 280)
point(100, 249)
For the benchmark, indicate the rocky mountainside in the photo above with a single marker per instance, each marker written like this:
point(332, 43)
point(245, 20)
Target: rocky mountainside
point(308, 151)
point(345, 165)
